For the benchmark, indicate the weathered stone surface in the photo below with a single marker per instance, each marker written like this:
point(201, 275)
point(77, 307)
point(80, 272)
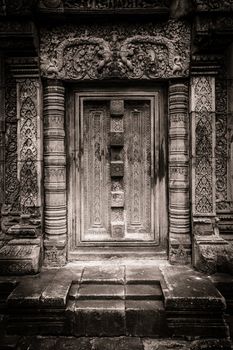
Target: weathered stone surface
point(168, 344)
point(145, 318)
point(19, 259)
point(121, 343)
point(56, 292)
point(141, 275)
point(142, 291)
point(28, 292)
point(109, 274)
point(193, 305)
point(98, 318)
point(100, 291)
point(212, 257)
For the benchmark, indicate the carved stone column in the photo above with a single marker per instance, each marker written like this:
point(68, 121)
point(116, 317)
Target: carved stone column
point(54, 174)
point(209, 247)
point(179, 207)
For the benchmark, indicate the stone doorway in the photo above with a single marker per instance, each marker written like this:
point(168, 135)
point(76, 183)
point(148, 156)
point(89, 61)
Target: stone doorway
point(117, 202)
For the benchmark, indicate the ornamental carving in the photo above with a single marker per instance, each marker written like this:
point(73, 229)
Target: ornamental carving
point(11, 179)
point(205, 5)
point(28, 152)
point(221, 143)
point(105, 52)
point(203, 97)
point(112, 4)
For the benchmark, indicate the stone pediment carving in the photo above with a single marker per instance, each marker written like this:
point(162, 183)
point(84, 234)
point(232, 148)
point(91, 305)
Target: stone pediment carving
point(140, 56)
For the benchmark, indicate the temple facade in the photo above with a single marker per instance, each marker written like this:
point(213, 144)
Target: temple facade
point(116, 132)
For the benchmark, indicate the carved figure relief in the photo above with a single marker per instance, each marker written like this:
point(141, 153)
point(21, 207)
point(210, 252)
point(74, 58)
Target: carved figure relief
point(104, 52)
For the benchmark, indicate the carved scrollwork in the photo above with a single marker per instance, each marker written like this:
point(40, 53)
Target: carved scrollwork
point(141, 56)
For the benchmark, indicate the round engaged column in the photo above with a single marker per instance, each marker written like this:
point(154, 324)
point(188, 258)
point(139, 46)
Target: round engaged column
point(54, 174)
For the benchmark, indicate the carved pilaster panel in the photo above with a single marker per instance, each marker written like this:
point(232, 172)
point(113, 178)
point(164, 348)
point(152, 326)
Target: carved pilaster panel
point(54, 175)
point(221, 149)
point(203, 145)
point(2, 131)
point(179, 209)
point(125, 51)
point(29, 143)
point(11, 175)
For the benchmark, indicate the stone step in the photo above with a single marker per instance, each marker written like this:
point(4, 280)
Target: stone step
point(115, 291)
point(117, 300)
point(117, 317)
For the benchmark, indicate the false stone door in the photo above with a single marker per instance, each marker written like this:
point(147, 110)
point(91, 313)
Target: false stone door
point(117, 194)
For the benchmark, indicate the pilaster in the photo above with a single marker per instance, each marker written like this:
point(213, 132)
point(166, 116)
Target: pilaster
point(54, 174)
point(21, 251)
point(179, 208)
point(210, 250)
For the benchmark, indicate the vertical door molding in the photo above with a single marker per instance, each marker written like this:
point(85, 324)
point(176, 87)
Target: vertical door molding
point(54, 174)
point(179, 206)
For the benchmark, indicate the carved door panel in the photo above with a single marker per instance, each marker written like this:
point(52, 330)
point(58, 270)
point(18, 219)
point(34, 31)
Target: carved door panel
point(114, 187)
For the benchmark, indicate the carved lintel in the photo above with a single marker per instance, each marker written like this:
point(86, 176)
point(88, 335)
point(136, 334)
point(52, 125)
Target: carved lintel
point(104, 54)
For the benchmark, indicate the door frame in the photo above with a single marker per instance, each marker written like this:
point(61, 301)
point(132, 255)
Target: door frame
point(94, 249)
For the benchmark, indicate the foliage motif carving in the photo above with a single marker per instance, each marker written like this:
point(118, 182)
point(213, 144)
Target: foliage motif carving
point(203, 95)
point(214, 4)
point(11, 180)
point(221, 143)
point(111, 4)
point(28, 144)
point(113, 52)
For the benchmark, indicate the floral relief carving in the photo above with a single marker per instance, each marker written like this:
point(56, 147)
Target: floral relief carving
point(11, 179)
point(28, 144)
point(221, 143)
point(111, 4)
point(203, 97)
point(112, 52)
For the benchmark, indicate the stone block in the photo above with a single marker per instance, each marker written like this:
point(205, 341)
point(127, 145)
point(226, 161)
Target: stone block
point(145, 318)
point(28, 292)
point(143, 292)
point(117, 107)
point(119, 343)
point(103, 274)
point(194, 307)
point(117, 230)
point(137, 275)
point(117, 169)
point(99, 318)
point(20, 259)
point(117, 199)
point(101, 291)
point(117, 138)
point(56, 292)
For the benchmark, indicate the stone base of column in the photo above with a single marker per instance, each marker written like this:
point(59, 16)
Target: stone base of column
point(211, 253)
point(54, 253)
point(180, 250)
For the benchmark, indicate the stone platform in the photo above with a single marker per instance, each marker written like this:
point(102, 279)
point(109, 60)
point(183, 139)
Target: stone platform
point(117, 300)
